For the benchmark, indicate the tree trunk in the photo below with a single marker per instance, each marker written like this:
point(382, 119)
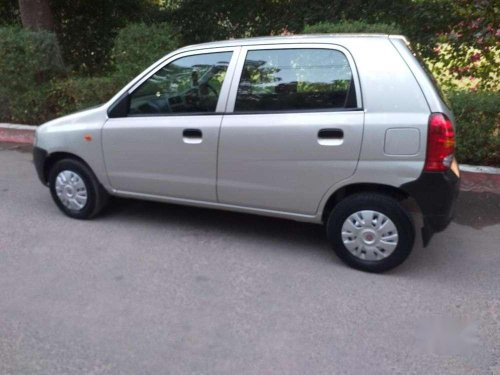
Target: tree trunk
point(36, 14)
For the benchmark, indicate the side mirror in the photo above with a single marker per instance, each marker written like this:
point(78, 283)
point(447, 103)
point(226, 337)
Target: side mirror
point(120, 107)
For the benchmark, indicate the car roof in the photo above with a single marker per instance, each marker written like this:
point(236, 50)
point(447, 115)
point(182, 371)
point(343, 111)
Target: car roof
point(308, 38)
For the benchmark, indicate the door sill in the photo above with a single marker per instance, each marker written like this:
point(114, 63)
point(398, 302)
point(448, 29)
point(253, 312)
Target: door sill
point(220, 206)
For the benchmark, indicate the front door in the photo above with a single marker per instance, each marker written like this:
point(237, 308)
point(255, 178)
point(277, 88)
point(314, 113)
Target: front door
point(167, 143)
point(293, 130)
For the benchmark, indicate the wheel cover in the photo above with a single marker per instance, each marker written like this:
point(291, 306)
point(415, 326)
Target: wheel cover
point(369, 235)
point(71, 190)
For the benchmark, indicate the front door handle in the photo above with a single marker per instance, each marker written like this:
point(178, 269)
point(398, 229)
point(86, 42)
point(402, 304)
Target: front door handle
point(331, 137)
point(192, 136)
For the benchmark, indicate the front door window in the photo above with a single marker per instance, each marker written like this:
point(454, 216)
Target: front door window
point(190, 84)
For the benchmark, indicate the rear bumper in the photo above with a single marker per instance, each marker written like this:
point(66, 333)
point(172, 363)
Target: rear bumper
point(39, 157)
point(435, 194)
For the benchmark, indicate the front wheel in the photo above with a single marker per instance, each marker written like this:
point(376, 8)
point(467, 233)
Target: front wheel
point(76, 190)
point(371, 232)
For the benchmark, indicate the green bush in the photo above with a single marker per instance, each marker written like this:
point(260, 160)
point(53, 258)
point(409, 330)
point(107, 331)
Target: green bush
point(138, 45)
point(41, 92)
point(27, 63)
point(73, 94)
point(86, 30)
point(477, 117)
point(352, 27)
point(9, 12)
point(61, 97)
point(30, 107)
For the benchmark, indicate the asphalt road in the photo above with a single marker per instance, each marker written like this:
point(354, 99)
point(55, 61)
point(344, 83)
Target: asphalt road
point(163, 289)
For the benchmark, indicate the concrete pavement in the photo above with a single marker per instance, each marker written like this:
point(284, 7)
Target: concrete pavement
point(162, 289)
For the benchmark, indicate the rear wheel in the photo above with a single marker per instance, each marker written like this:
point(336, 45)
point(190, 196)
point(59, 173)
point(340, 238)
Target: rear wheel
point(371, 232)
point(76, 190)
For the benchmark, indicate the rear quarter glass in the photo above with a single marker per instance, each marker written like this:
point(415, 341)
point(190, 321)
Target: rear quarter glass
point(435, 84)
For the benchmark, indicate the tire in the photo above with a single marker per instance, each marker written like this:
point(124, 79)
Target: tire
point(74, 170)
point(371, 232)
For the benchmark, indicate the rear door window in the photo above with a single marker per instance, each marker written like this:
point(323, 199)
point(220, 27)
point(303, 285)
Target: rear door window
point(295, 79)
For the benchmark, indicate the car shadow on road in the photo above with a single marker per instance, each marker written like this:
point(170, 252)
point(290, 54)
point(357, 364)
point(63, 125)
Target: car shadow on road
point(297, 236)
point(455, 251)
point(475, 210)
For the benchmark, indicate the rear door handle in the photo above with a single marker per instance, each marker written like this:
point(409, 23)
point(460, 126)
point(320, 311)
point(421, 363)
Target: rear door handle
point(192, 136)
point(331, 137)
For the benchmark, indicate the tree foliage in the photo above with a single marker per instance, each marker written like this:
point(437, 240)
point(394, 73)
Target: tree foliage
point(28, 60)
point(86, 29)
point(471, 46)
point(205, 20)
point(139, 45)
point(9, 12)
point(352, 27)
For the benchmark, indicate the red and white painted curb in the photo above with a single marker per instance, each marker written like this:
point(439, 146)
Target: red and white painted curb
point(17, 133)
point(479, 169)
point(474, 178)
point(480, 179)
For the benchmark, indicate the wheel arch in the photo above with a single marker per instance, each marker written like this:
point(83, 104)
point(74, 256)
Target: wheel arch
point(351, 189)
point(55, 157)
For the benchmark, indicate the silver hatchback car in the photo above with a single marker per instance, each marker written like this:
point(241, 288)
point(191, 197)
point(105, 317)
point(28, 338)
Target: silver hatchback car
point(329, 129)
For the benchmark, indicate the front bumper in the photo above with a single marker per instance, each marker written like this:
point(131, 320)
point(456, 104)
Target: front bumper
point(39, 157)
point(435, 194)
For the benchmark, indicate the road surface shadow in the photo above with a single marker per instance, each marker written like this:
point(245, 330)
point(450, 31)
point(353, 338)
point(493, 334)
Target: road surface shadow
point(477, 210)
point(202, 220)
point(473, 209)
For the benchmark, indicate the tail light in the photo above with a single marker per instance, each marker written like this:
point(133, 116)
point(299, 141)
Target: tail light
point(440, 143)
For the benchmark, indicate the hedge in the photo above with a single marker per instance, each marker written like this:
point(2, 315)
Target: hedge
point(352, 27)
point(477, 116)
point(27, 63)
point(73, 94)
point(138, 46)
point(44, 91)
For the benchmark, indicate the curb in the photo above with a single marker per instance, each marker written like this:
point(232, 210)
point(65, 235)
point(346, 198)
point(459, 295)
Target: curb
point(475, 178)
point(17, 133)
point(480, 182)
point(479, 169)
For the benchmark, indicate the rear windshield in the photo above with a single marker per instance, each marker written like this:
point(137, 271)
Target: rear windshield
point(429, 74)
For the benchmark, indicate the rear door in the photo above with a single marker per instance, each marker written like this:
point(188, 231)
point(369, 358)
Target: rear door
point(166, 144)
point(292, 129)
